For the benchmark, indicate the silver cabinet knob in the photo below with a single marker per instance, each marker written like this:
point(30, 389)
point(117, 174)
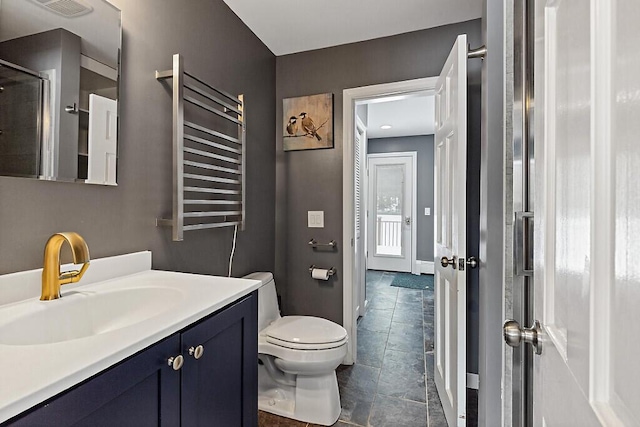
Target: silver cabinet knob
point(445, 262)
point(176, 362)
point(514, 335)
point(472, 262)
point(196, 352)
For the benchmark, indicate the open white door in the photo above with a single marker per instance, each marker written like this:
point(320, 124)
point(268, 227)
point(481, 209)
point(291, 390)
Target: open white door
point(586, 246)
point(451, 248)
point(103, 143)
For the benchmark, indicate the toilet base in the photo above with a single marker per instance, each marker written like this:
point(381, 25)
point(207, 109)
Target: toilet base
point(314, 399)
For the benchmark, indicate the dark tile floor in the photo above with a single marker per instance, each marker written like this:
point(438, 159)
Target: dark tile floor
point(392, 383)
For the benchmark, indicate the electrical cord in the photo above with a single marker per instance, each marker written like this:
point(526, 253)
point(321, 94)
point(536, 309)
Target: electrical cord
point(233, 248)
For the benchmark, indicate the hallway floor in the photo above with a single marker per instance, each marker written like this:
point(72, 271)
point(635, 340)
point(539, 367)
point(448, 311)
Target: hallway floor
point(391, 384)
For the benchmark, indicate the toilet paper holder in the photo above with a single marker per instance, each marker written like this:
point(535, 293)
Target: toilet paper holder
point(332, 270)
point(314, 244)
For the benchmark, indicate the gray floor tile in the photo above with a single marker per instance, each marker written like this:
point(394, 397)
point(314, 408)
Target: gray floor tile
point(373, 276)
point(371, 347)
point(402, 376)
point(436, 413)
point(356, 405)
point(429, 365)
point(373, 291)
point(408, 313)
point(428, 338)
point(405, 337)
point(429, 318)
point(409, 295)
point(383, 301)
point(359, 378)
point(392, 412)
point(376, 320)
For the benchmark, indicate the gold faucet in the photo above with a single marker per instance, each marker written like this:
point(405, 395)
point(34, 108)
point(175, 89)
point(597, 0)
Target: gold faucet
point(51, 277)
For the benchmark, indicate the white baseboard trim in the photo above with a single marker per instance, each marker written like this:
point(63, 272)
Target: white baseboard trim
point(425, 267)
point(473, 381)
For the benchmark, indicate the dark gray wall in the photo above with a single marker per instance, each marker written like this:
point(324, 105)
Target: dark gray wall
point(423, 146)
point(491, 216)
point(217, 47)
point(312, 180)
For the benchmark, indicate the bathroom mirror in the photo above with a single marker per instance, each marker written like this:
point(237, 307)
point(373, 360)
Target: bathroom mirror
point(59, 73)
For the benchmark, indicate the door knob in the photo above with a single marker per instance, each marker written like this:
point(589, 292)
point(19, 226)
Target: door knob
point(407, 220)
point(445, 262)
point(472, 262)
point(514, 335)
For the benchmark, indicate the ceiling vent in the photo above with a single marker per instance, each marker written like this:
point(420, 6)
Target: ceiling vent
point(66, 8)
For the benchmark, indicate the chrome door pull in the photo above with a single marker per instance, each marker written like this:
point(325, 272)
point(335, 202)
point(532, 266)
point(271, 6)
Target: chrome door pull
point(176, 362)
point(514, 335)
point(445, 262)
point(196, 352)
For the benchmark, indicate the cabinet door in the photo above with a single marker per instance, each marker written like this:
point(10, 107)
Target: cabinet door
point(141, 391)
point(221, 387)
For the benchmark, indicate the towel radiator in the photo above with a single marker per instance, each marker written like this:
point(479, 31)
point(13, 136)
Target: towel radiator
point(209, 162)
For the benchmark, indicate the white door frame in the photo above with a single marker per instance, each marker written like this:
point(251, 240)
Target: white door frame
point(351, 97)
point(414, 200)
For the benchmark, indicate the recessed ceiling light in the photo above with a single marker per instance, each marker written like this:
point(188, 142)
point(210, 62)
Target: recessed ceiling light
point(385, 127)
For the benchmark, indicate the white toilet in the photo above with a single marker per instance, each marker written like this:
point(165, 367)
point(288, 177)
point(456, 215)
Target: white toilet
point(298, 357)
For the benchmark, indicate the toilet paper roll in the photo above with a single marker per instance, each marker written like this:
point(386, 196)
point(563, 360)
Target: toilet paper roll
point(320, 274)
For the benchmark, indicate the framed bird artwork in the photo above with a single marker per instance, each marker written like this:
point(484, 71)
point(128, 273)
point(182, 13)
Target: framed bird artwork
point(308, 122)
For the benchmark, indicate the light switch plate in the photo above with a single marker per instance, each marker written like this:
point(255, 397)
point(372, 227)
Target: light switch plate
point(427, 211)
point(315, 219)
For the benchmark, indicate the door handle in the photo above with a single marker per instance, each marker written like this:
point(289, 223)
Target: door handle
point(407, 220)
point(445, 262)
point(514, 335)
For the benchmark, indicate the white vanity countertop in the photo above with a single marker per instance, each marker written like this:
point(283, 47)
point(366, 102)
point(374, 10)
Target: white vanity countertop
point(31, 374)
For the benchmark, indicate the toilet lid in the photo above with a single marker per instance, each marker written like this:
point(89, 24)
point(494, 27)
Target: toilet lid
point(305, 330)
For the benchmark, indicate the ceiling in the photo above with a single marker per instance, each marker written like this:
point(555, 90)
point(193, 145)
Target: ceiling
point(407, 117)
point(288, 27)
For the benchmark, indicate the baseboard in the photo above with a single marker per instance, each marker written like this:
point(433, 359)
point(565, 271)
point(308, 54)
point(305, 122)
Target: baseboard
point(425, 267)
point(473, 381)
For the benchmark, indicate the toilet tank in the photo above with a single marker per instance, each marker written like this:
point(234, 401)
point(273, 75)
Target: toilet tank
point(268, 310)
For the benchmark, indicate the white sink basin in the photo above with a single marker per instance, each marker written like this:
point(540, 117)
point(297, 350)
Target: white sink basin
point(80, 314)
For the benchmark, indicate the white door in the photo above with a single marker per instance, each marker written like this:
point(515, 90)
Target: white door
point(103, 144)
point(451, 249)
point(587, 246)
point(360, 156)
point(390, 211)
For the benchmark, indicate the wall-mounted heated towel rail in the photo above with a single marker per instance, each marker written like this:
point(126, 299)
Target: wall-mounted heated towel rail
point(209, 160)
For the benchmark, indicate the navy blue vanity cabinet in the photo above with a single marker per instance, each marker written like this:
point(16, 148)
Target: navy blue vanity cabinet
point(218, 388)
point(141, 391)
point(219, 377)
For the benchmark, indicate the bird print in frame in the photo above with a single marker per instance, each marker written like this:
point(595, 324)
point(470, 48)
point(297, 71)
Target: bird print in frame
point(308, 122)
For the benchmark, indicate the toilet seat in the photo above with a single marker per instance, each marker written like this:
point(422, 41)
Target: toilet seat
point(305, 333)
